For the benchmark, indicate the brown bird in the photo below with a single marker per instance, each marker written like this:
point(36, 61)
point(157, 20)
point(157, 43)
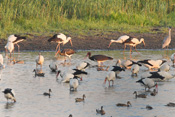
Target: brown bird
point(139, 95)
point(99, 58)
point(124, 105)
point(66, 52)
point(80, 99)
point(60, 38)
point(153, 93)
point(102, 112)
point(170, 104)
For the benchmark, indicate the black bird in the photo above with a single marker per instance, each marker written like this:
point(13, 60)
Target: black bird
point(117, 70)
point(47, 94)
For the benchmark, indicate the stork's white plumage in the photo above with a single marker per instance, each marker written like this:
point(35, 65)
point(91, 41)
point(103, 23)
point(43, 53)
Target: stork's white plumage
point(135, 69)
point(65, 76)
point(150, 64)
point(173, 58)
point(10, 47)
point(39, 61)
point(125, 64)
point(121, 39)
point(110, 77)
point(164, 67)
point(1, 61)
point(53, 66)
point(73, 84)
point(147, 83)
point(82, 66)
point(158, 76)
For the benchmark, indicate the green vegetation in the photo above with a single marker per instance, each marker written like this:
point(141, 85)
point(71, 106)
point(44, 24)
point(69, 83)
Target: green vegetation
point(79, 16)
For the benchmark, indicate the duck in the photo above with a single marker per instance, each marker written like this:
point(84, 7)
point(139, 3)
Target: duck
point(170, 104)
point(152, 64)
point(153, 93)
point(124, 105)
point(47, 94)
point(9, 94)
point(110, 77)
point(147, 83)
point(38, 73)
point(102, 112)
point(82, 66)
point(148, 107)
point(73, 83)
point(80, 99)
point(98, 58)
point(39, 60)
point(139, 95)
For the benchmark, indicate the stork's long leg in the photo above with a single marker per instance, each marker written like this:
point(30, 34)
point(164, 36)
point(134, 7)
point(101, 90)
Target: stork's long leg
point(57, 47)
point(18, 47)
point(136, 50)
point(130, 51)
point(124, 49)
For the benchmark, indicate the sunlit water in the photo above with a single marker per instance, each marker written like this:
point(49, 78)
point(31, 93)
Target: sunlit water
point(31, 102)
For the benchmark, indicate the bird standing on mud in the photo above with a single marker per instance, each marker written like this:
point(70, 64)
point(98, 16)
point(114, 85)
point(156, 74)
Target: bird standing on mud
point(60, 38)
point(167, 40)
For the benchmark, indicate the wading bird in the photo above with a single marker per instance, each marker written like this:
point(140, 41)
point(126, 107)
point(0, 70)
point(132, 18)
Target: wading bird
point(60, 39)
point(10, 47)
point(39, 61)
point(127, 40)
point(110, 77)
point(66, 52)
point(167, 40)
point(9, 94)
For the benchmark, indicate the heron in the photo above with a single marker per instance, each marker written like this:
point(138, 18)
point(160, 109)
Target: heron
point(167, 40)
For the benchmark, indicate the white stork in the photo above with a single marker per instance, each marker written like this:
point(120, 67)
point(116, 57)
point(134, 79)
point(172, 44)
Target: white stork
point(39, 60)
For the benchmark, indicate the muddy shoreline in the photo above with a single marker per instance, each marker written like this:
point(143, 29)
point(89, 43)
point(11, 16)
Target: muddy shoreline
point(99, 41)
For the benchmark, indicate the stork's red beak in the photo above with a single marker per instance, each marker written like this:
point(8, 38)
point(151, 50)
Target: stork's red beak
point(105, 80)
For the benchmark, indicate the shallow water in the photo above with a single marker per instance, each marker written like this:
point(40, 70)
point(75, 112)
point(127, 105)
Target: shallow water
point(31, 102)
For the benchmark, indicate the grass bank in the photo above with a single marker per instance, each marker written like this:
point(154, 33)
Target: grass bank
point(80, 16)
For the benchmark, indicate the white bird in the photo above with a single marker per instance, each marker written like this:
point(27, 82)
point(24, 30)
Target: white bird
point(73, 84)
point(150, 64)
point(60, 39)
point(172, 58)
point(65, 76)
point(135, 69)
point(2, 61)
point(164, 67)
point(167, 40)
point(126, 64)
point(53, 66)
point(158, 76)
point(82, 66)
point(127, 40)
point(110, 77)
point(10, 47)
point(147, 83)
point(39, 61)
point(9, 94)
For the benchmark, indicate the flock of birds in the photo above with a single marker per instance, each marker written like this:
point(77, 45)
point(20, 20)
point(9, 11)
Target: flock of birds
point(148, 79)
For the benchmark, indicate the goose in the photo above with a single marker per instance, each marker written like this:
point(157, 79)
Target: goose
point(110, 77)
point(124, 105)
point(99, 58)
point(167, 40)
point(73, 84)
point(147, 83)
point(53, 66)
point(170, 104)
point(159, 76)
point(80, 99)
point(9, 94)
point(60, 39)
point(117, 69)
point(38, 73)
point(102, 112)
point(139, 95)
point(82, 66)
point(150, 64)
point(39, 60)
point(47, 94)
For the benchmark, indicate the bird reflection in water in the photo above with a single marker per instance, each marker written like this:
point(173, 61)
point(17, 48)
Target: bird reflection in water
point(9, 105)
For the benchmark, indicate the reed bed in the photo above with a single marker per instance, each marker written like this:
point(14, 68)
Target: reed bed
point(27, 16)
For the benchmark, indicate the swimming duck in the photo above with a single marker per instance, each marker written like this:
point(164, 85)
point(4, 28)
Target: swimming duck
point(139, 95)
point(80, 99)
point(170, 104)
point(47, 94)
point(153, 93)
point(124, 105)
point(102, 112)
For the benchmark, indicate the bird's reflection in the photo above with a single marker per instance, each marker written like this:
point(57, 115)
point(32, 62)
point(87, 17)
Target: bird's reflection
point(9, 105)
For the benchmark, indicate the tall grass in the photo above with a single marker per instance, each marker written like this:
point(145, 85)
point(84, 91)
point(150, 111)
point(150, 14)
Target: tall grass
point(22, 16)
